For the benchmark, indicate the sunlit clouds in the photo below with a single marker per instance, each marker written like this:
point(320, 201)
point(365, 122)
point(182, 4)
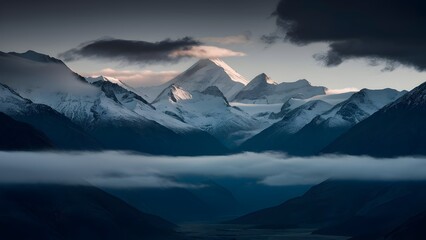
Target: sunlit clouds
point(137, 78)
point(204, 52)
point(138, 52)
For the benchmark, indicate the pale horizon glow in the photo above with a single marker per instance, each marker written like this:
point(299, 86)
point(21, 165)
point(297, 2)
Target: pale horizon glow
point(136, 79)
point(341, 90)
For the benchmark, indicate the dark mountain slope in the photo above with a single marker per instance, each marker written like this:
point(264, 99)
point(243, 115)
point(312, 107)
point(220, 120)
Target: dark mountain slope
point(364, 209)
point(397, 129)
point(413, 229)
point(73, 212)
point(16, 135)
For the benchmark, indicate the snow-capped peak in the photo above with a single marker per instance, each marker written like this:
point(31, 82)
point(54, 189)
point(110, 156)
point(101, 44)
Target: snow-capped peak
point(215, 91)
point(94, 79)
point(216, 62)
point(261, 79)
point(8, 95)
point(359, 106)
point(99, 78)
point(262, 89)
point(206, 73)
point(297, 118)
point(174, 94)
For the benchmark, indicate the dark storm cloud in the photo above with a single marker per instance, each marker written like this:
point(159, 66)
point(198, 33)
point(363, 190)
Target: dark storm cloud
point(142, 52)
point(392, 31)
point(131, 51)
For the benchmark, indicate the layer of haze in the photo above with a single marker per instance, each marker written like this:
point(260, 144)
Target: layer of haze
point(121, 169)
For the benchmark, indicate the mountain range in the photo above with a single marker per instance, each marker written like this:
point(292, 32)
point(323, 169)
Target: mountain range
point(309, 128)
point(94, 109)
point(262, 89)
point(207, 109)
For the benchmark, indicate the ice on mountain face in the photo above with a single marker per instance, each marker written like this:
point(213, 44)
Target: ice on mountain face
point(358, 107)
point(177, 94)
point(11, 102)
point(102, 79)
point(109, 79)
point(292, 103)
point(256, 109)
point(150, 93)
point(173, 94)
point(259, 111)
point(121, 95)
point(263, 98)
point(297, 118)
point(214, 91)
point(218, 63)
point(260, 81)
point(137, 104)
point(276, 111)
point(209, 112)
point(203, 74)
point(264, 90)
point(279, 135)
point(332, 99)
point(309, 128)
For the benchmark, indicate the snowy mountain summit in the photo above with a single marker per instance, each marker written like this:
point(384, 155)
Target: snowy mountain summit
point(207, 109)
point(262, 89)
point(203, 74)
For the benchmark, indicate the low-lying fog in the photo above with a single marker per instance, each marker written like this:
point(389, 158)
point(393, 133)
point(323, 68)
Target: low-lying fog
point(123, 169)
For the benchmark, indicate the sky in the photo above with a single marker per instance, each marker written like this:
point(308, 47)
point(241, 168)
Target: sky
point(352, 45)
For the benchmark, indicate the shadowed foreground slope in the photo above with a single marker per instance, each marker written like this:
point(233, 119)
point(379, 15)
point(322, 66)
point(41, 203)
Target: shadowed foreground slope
point(73, 212)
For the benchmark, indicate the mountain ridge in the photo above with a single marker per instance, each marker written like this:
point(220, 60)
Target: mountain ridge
point(262, 89)
point(98, 111)
point(395, 130)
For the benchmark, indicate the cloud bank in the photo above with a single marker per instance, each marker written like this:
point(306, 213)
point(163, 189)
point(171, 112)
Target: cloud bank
point(204, 52)
point(143, 52)
point(390, 32)
point(121, 169)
